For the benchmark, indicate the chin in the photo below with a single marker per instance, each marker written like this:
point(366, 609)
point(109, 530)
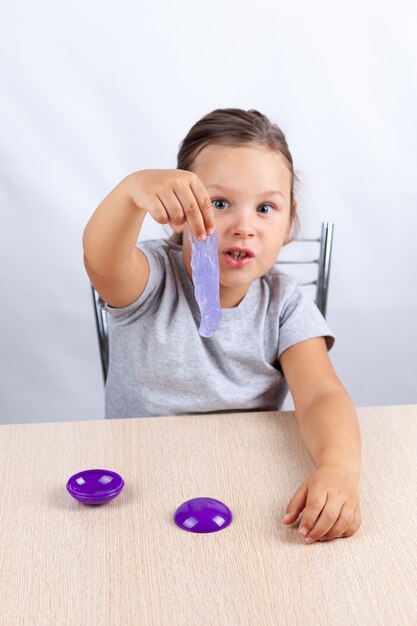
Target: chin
point(235, 284)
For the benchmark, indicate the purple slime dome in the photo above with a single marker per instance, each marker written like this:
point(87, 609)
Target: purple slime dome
point(95, 486)
point(203, 515)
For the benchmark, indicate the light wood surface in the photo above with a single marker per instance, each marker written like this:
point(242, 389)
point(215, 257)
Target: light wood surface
point(126, 562)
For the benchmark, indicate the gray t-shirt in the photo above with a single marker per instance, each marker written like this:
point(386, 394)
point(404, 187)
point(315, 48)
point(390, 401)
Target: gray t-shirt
point(160, 365)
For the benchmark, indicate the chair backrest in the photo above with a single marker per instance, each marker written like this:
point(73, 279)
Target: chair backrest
point(319, 264)
point(311, 256)
point(100, 316)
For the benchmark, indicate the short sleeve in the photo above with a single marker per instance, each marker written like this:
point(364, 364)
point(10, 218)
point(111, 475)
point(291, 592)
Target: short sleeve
point(300, 319)
point(148, 301)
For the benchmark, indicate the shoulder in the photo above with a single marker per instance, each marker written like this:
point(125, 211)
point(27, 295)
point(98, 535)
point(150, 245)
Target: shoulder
point(295, 312)
point(161, 254)
point(158, 247)
point(161, 284)
point(162, 245)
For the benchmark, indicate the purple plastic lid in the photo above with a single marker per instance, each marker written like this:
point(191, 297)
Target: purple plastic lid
point(95, 486)
point(203, 515)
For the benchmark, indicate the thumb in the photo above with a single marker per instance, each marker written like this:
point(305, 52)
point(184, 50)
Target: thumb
point(296, 505)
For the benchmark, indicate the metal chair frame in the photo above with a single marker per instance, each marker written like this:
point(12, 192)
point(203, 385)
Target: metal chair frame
point(321, 282)
point(102, 328)
point(323, 265)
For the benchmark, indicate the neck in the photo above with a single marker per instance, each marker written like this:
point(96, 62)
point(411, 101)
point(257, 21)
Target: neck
point(229, 298)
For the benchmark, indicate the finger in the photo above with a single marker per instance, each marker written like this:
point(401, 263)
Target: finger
point(172, 207)
point(316, 500)
point(355, 525)
point(158, 211)
point(328, 517)
point(191, 211)
point(204, 202)
point(296, 505)
point(330, 527)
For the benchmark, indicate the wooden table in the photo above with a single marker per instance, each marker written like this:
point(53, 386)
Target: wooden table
point(126, 562)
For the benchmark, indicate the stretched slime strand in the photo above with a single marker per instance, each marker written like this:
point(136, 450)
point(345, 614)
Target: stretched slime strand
point(206, 273)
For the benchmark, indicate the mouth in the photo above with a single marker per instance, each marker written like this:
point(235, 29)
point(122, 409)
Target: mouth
point(238, 257)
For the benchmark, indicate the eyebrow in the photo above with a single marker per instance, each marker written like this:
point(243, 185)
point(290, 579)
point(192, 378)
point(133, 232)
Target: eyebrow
point(263, 193)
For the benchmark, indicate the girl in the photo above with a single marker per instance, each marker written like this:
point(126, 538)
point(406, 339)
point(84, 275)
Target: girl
point(234, 173)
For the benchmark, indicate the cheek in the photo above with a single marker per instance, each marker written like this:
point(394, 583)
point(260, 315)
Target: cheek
point(273, 245)
point(220, 225)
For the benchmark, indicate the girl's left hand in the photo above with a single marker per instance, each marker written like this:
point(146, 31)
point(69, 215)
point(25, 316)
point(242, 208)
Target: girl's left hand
point(330, 497)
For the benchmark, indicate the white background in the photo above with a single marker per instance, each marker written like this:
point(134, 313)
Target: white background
point(91, 91)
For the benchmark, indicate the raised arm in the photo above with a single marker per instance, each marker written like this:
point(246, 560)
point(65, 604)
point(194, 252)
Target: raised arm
point(117, 268)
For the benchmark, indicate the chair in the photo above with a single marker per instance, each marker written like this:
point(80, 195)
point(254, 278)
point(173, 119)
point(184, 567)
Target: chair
point(320, 266)
point(102, 333)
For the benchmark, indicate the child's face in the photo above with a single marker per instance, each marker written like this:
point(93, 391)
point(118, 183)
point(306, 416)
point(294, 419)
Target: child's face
point(239, 181)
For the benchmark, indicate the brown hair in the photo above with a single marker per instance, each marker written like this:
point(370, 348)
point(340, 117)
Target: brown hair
point(236, 127)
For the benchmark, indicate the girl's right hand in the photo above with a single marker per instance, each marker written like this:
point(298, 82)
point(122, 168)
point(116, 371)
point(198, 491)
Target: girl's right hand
point(174, 197)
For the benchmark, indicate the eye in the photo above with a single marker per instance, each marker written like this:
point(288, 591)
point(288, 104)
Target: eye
point(265, 209)
point(216, 203)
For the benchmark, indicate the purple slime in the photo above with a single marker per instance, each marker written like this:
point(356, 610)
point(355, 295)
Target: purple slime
point(206, 274)
point(203, 515)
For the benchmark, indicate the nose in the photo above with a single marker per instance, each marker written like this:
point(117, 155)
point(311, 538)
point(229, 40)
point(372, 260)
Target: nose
point(242, 225)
